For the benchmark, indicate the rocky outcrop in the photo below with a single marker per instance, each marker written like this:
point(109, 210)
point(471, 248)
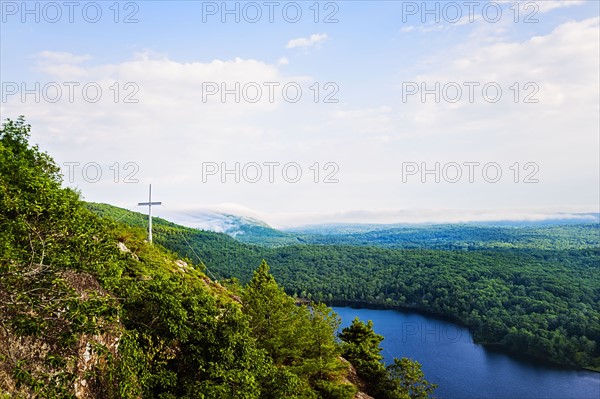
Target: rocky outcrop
point(44, 359)
point(353, 378)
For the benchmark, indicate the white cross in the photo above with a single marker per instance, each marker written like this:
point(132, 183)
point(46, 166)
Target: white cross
point(149, 203)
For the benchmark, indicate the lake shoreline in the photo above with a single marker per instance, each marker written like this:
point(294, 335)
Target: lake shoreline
point(494, 347)
point(466, 370)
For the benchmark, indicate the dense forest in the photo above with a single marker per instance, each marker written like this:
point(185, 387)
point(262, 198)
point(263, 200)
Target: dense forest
point(580, 232)
point(470, 237)
point(542, 303)
point(90, 309)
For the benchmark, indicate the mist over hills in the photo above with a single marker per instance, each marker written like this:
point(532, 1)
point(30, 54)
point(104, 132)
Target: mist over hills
point(344, 228)
point(580, 230)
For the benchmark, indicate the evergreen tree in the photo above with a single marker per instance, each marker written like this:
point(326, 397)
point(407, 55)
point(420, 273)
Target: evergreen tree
point(274, 319)
point(409, 379)
point(300, 338)
point(362, 348)
point(403, 379)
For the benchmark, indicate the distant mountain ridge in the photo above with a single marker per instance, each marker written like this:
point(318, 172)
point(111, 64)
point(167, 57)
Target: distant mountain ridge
point(243, 228)
point(344, 228)
point(582, 231)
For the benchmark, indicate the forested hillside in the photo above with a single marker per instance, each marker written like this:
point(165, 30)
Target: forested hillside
point(469, 237)
point(90, 309)
point(537, 302)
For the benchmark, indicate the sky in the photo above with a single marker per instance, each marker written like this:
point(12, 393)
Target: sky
point(314, 112)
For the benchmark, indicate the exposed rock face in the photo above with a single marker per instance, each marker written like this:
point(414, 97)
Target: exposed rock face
point(88, 357)
point(89, 360)
point(353, 378)
point(83, 283)
point(182, 266)
point(123, 248)
point(14, 349)
point(46, 359)
point(362, 395)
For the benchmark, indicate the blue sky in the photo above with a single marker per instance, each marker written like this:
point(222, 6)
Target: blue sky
point(370, 137)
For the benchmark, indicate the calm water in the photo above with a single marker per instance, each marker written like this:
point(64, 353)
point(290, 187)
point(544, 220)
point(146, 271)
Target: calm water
point(464, 370)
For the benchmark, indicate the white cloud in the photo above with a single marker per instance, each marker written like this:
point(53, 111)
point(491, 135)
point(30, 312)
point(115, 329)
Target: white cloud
point(58, 57)
point(541, 60)
point(62, 63)
point(366, 120)
point(526, 11)
point(546, 6)
point(543, 6)
point(425, 28)
point(171, 131)
point(171, 114)
point(211, 217)
point(305, 42)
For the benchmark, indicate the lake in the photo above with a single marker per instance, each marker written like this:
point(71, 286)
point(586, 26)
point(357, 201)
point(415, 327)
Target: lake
point(465, 370)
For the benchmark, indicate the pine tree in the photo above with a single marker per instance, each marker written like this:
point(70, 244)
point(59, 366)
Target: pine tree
point(410, 380)
point(403, 379)
point(274, 318)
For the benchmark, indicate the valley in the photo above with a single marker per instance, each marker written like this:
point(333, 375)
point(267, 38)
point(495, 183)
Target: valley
point(524, 297)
